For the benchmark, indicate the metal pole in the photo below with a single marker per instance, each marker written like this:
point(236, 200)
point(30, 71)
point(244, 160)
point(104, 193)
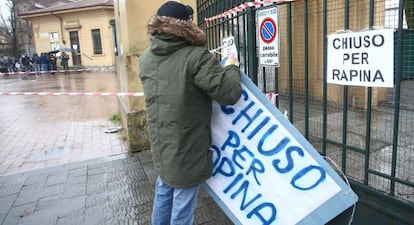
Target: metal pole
point(306, 71)
point(345, 102)
point(369, 108)
point(251, 45)
point(397, 96)
point(289, 28)
point(325, 85)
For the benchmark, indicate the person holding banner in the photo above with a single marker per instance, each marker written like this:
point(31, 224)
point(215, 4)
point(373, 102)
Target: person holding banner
point(181, 78)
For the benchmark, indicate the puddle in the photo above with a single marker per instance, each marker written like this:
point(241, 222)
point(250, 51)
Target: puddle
point(51, 154)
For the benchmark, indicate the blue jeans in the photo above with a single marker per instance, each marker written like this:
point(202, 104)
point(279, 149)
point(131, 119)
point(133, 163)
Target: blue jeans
point(43, 67)
point(37, 68)
point(173, 206)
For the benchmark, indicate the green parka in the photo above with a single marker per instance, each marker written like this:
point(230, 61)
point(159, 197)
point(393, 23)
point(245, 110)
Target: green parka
point(180, 79)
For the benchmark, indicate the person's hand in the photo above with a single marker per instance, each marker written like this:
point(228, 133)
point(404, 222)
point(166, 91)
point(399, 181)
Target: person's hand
point(231, 60)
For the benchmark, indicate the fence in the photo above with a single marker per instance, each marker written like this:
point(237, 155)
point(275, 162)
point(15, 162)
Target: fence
point(367, 131)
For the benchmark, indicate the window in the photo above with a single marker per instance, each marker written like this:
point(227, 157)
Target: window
point(54, 40)
point(96, 39)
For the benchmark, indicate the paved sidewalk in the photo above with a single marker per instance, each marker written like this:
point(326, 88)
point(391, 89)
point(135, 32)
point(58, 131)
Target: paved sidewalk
point(111, 190)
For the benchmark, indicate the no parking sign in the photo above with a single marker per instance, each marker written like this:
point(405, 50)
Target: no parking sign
point(268, 36)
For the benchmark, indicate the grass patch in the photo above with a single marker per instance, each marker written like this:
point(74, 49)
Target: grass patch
point(116, 118)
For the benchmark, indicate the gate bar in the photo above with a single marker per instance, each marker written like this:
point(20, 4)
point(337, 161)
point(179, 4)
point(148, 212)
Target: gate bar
point(306, 70)
point(369, 108)
point(325, 83)
point(397, 97)
point(289, 33)
point(345, 101)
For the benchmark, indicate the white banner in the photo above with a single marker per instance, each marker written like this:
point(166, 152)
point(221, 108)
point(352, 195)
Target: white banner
point(265, 171)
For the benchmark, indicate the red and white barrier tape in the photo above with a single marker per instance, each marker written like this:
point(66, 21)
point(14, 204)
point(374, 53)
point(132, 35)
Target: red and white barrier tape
point(54, 71)
point(132, 94)
point(244, 6)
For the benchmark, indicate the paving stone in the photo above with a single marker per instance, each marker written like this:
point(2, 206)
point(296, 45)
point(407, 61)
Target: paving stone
point(37, 179)
point(96, 185)
point(6, 203)
point(93, 170)
point(74, 190)
point(144, 217)
point(53, 190)
point(48, 202)
point(55, 179)
point(77, 179)
point(7, 190)
point(96, 200)
point(26, 199)
point(12, 220)
point(98, 214)
point(44, 217)
point(71, 206)
point(71, 220)
point(23, 210)
point(2, 216)
point(2, 182)
point(32, 189)
point(78, 172)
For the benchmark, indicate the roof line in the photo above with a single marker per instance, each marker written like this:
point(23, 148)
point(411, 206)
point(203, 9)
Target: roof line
point(84, 4)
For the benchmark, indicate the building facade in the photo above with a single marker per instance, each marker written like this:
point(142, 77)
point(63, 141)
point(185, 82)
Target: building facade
point(81, 28)
point(131, 19)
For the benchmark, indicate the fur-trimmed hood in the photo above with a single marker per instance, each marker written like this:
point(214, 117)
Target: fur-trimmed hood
point(186, 30)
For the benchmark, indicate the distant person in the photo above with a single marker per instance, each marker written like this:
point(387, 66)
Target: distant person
point(17, 65)
point(64, 61)
point(181, 78)
point(11, 65)
point(36, 63)
point(26, 63)
point(52, 63)
point(43, 62)
point(4, 61)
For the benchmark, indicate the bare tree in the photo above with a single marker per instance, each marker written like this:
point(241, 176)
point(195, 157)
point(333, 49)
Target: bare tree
point(9, 30)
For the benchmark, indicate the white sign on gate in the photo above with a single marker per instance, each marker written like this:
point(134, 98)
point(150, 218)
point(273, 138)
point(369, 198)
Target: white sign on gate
point(265, 171)
point(229, 47)
point(268, 32)
point(361, 58)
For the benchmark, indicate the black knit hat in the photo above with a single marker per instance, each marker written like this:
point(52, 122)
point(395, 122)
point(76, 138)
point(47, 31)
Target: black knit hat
point(174, 9)
point(189, 10)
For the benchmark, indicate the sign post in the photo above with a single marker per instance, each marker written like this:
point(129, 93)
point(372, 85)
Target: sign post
point(361, 58)
point(268, 36)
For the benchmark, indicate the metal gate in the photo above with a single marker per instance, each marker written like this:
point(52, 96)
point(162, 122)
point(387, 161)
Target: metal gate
point(367, 133)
